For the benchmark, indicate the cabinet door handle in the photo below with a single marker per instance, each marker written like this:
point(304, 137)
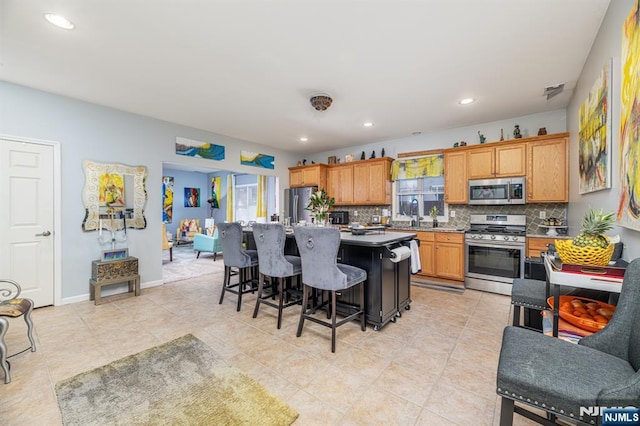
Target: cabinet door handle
point(44, 234)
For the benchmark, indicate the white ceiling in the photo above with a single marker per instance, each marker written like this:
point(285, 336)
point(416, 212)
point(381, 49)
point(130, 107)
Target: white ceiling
point(248, 68)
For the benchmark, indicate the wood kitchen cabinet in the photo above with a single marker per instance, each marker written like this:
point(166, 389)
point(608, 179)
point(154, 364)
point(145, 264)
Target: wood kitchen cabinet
point(547, 171)
point(442, 256)
point(537, 245)
point(312, 175)
point(455, 177)
point(450, 256)
point(501, 161)
point(372, 182)
point(427, 252)
point(340, 183)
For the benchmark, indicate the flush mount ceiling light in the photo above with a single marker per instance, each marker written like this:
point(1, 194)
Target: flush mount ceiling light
point(368, 124)
point(466, 101)
point(59, 21)
point(303, 139)
point(321, 101)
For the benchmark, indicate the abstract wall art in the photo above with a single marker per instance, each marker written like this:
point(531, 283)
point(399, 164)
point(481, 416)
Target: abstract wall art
point(629, 152)
point(167, 199)
point(255, 159)
point(214, 201)
point(192, 197)
point(594, 135)
point(192, 148)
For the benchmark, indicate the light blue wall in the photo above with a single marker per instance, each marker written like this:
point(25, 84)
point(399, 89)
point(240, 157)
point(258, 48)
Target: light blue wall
point(554, 121)
point(181, 180)
point(91, 132)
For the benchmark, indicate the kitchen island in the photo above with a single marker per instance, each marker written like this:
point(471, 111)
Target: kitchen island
point(387, 289)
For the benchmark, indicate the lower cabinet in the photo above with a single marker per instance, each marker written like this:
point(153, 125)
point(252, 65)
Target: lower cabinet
point(535, 246)
point(442, 256)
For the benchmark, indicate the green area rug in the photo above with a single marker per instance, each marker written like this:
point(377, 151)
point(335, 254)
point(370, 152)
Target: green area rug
point(182, 382)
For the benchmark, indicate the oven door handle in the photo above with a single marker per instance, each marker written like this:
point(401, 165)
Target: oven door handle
point(498, 245)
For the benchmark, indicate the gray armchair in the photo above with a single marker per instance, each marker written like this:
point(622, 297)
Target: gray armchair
point(561, 377)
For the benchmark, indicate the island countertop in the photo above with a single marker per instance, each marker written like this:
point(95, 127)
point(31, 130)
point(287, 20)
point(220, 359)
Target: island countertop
point(375, 239)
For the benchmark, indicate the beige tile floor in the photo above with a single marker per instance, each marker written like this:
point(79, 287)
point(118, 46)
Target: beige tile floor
point(435, 366)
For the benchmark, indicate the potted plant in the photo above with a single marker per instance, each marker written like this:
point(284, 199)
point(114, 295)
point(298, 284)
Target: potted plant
point(434, 216)
point(319, 205)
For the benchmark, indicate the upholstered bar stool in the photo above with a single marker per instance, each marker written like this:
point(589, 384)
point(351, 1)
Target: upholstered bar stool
point(527, 294)
point(236, 257)
point(270, 240)
point(318, 249)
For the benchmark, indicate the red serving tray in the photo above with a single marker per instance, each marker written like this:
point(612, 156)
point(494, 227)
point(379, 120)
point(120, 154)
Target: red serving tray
point(607, 271)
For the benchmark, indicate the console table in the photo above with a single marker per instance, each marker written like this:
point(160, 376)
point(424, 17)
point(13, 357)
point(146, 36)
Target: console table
point(113, 272)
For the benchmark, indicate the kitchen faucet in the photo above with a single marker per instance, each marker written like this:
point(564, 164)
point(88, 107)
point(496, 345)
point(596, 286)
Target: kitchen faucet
point(415, 210)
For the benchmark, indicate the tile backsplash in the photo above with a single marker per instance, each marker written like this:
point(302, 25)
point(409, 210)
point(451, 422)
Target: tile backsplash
point(463, 212)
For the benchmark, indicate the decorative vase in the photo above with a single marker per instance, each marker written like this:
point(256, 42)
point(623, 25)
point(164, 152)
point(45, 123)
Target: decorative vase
point(435, 223)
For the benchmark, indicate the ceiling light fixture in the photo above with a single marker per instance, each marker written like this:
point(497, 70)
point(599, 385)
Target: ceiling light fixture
point(59, 21)
point(368, 124)
point(304, 139)
point(321, 101)
point(466, 101)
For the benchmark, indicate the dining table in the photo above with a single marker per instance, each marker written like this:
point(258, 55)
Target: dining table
point(585, 278)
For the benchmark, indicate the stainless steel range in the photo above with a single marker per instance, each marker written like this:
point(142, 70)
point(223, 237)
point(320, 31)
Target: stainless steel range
point(495, 252)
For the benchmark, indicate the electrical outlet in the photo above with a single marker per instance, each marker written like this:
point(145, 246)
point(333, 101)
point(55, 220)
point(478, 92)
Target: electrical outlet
point(543, 214)
point(355, 213)
point(452, 213)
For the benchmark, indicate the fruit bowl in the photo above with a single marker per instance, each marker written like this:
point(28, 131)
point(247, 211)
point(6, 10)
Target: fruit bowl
point(591, 320)
point(583, 255)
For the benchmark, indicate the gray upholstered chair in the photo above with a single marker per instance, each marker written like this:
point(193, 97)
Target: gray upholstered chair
point(318, 247)
point(13, 306)
point(270, 239)
point(237, 261)
point(527, 294)
point(560, 377)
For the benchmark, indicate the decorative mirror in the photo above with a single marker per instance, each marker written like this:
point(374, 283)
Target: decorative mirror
point(114, 196)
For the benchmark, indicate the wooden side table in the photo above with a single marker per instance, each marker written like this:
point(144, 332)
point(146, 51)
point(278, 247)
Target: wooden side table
point(113, 272)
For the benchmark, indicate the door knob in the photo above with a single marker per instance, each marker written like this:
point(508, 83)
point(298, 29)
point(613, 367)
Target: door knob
point(44, 234)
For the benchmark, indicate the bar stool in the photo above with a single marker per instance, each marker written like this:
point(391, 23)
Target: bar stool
point(270, 239)
point(235, 256)
point(318, 249)
point(529, 294)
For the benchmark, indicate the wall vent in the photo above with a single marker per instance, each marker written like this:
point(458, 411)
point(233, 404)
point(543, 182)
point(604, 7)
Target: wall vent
point(551, 91)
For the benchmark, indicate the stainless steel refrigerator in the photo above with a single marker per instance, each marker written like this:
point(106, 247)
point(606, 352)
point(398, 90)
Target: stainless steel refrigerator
point(295, 201)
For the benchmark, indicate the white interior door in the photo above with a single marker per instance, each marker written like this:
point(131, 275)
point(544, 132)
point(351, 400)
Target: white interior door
point(27, 218)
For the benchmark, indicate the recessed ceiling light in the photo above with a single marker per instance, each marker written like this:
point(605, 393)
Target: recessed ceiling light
point(304, 139)
point(59, 21)
point(368, 124)
point(466, 101)
point(416, 133)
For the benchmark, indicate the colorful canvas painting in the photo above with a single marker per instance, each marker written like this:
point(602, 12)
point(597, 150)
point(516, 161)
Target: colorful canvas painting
point(594, 136)
point(192, 148)
point(111, 190)
point(214, 201)
point(167, 199)
point(192, 197)
point(629, 153)
point(249, 158)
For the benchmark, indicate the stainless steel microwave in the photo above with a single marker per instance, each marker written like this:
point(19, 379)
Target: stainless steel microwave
point(497, 191)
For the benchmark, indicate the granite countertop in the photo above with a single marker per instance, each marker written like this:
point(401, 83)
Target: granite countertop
point(555, 237)
point(427, 229)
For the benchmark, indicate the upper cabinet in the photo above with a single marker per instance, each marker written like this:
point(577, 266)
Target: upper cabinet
point(313, 175)
point(500, 161)
point(455, 177)
point(372, 182)
point(340, 183)
point(547, 171)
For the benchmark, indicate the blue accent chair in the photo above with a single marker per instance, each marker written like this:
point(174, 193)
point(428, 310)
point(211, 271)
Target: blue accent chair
point(202, 242)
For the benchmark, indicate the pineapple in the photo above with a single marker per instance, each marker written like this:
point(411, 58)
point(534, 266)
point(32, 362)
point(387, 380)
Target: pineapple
point(594, 225)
